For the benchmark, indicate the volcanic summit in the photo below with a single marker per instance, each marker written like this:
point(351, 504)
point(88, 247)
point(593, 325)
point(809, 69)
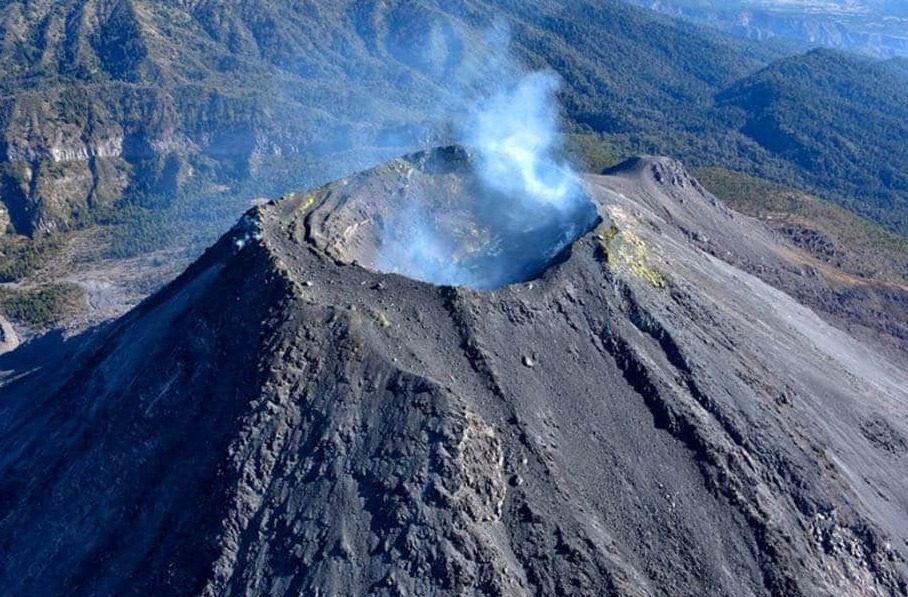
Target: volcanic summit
point(432, 217)
point(627, 411)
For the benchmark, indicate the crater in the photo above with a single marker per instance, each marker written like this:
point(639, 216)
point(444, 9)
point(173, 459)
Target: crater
point(452, 217)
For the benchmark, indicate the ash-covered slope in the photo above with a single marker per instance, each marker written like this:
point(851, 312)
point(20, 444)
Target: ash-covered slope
point(873, 310)
point(641, 419)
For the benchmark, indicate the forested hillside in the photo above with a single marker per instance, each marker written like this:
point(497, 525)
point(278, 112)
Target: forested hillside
point(842, 120)
point(161, 120)
point(103, 101)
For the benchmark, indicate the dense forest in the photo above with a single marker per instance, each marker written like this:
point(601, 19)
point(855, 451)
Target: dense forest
point(842, 121)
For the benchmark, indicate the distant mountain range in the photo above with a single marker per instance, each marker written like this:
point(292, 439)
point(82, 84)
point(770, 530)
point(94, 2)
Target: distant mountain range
point(874, 27)
point(133, 99)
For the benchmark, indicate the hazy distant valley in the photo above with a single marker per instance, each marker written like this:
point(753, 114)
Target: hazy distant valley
point(876, 28)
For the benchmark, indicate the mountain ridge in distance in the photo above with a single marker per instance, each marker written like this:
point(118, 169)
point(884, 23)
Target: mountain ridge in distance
point(281, 420)
point(870, 28)
point(864, 99)
point(142, 98)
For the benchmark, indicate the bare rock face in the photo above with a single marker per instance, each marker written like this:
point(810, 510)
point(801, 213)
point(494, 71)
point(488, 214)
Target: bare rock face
point(281, 420)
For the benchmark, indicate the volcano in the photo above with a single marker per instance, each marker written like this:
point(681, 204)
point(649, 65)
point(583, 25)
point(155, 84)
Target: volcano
point(432, 217)
point(623, 413)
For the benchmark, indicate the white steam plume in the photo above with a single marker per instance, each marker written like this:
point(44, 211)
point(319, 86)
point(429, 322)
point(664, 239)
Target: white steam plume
point(516, 133)
point(530, 204)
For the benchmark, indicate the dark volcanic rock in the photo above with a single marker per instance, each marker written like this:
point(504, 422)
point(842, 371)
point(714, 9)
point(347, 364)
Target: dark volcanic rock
point(282, 421)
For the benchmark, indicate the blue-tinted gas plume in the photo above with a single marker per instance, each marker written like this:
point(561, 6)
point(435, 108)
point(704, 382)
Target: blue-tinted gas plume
point(516, 207)
point(516, 135)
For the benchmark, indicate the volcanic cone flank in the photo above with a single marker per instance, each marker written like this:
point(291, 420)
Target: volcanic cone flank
point(633, 416)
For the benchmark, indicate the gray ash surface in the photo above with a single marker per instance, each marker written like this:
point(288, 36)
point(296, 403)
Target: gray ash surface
point(642, 418)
